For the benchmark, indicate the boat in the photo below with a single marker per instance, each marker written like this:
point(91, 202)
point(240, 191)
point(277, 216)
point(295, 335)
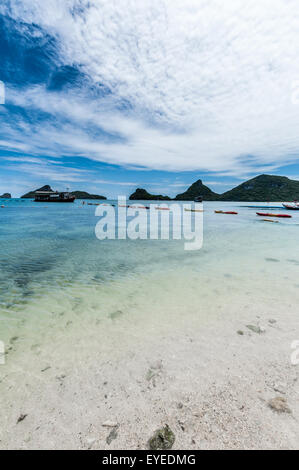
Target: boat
point(198, 199)
point(226, 212)
point(193, 210)
point(269, 220)
point(53, 196)
point(294, 206)
point(269, 214)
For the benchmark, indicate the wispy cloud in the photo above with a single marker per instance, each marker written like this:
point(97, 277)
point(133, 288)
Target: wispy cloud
point(43, 169)
point(191, 85)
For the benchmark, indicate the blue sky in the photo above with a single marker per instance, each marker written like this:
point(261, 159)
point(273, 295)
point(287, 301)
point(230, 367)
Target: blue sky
point(106, 96)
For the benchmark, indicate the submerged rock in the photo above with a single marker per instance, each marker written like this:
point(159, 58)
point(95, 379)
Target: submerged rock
point(279, 404)
point(13, 339)
point(150, 374)
point(162, 439)
point(112, 435)
point(116, 314)
point(256, 329)
point(21, 418)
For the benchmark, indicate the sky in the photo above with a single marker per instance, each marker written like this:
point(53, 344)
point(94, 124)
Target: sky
point(107, 96)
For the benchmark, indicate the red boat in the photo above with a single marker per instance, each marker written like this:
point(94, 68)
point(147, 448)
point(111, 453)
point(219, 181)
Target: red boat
point(268, 214)
point(226, 212)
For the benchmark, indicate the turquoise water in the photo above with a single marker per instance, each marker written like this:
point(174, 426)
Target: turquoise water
point(83, 321)
point(50, 251)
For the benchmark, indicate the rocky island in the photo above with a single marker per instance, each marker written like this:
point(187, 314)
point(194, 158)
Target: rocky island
point(142, 195)
point(198, 189)
point(264, 188)
point(5, 196)
point(261, 188)
point(85, 195)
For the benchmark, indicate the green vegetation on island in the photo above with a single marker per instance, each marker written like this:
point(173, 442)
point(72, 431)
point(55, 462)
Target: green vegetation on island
point(198, 189)
point(264, 188)
point(5, 196)
point(31, 194)
point(142, 195)
point(85, 195)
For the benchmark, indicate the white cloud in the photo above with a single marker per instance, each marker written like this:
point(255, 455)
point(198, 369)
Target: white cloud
point(209, 82)
point(44, 169)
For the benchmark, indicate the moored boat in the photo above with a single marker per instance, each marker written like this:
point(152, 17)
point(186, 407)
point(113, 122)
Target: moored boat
point(269, 214)
point(226, 212)
point(193, 210)
point(53, 196)
point(269, 220)
point(294, 206)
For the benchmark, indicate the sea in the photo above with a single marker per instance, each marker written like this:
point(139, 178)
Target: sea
point(52, 265)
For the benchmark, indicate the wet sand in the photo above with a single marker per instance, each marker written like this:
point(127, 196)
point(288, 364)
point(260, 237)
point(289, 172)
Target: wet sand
point(144, 356)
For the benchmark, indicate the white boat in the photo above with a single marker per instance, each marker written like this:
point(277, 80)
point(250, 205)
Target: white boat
point(293, 206)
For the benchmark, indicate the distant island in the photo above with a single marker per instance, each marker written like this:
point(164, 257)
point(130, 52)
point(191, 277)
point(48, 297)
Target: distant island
point(77, 194)
point(85, 195)
point(5, 196)
point(262, 188)
point(198, 189)
point(142, 195)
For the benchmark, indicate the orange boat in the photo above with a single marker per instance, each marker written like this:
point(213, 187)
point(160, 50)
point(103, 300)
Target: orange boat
point(193, 210)
point(268, 214)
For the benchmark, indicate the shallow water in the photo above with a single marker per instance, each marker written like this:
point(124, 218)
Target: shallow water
point(52, 265)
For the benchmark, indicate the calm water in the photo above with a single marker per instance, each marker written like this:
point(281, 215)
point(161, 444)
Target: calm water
point(51, 259)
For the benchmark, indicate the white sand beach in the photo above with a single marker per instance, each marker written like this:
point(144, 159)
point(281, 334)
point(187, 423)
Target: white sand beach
point(161, 359)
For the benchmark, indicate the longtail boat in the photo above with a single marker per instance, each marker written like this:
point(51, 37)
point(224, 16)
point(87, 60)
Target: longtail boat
point(269, 214)
point(226, 212)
